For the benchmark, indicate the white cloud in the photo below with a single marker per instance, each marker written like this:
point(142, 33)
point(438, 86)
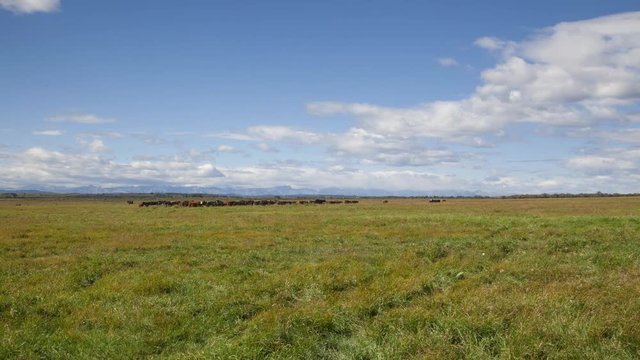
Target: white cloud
point(300, 176)
point(49, 132)
point(502, 181)
point(45, 167)
point(618, 162)
point(39, 167)
point(97, 145)
point(623, 135)
point(492, 43)
point(40, 154)
point(80, 118)
point(626, 135)
point(53, 168)
point(30, 6)
point(447, 62)
point(323, 177)
point(108, 134)
point(357, 143)
point(548, 183)
point(609, 170)
point(283, 133)
point(570, 74)
point(225, 149)
point(230, 136)
point(600, 163)
point(375, 148)
point(270, 133)
point(441, 119)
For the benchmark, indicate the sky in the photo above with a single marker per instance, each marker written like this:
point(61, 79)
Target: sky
point(492, 97)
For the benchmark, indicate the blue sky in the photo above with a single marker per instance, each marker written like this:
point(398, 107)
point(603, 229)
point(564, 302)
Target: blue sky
point(498, 97)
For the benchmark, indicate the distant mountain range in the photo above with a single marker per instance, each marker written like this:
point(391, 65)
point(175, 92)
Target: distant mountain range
point(270, 191)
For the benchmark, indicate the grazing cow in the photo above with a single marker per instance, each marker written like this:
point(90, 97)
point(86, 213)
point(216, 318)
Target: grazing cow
point(386, 201)
point(129, 202)
point(241, 202)
point(434, 200)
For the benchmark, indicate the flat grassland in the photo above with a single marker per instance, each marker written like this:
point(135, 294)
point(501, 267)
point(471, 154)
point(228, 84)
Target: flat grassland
point(530, 278)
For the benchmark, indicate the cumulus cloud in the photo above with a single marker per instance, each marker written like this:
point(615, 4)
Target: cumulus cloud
point(81, 119)
point(97, 145)
point(441, 119)
point(48, 132)
point(94, 144)
point(375, 148)
point(76, 169)
point(30, 6)
point(358, 143)
point(574, 73)
point(42, 166)
point(38, 166)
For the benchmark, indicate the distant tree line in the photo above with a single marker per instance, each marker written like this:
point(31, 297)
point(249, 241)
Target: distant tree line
point(567, 195)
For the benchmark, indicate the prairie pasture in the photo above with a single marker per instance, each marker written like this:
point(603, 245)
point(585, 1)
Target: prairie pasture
point(477, 279)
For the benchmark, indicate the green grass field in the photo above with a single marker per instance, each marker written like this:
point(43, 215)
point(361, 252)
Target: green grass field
point(535, 278)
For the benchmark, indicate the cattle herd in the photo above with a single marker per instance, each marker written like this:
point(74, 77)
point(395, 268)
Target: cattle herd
point(248, 202)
